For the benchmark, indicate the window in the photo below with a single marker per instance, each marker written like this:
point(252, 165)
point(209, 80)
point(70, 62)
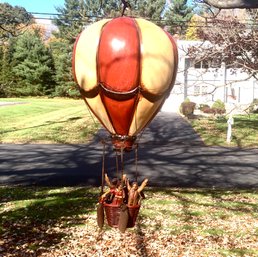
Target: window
point(198, 65)
point(188, 63)
point(204, 90)
point(215, 63)
point(196, 90)
point(201, 65)
point(233, 93)
point(205, 64)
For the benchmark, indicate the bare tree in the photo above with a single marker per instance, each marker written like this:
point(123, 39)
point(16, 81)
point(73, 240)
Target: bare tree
point(231, 41)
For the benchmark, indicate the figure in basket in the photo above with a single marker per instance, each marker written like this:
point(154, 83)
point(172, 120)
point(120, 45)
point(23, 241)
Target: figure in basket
point(122, 202)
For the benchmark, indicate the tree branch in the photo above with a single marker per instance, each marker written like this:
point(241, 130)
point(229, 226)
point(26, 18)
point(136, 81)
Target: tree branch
point(230, 4)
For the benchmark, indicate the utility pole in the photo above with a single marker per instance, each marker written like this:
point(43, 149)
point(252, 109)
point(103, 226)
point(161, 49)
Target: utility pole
point(224, 66)
point(187, 65)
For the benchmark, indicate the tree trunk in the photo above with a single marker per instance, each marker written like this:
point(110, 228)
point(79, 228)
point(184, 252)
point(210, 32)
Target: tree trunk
point(230, 4)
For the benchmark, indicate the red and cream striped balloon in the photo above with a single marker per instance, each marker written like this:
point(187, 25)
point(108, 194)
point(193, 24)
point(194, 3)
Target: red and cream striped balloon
point(125, 68)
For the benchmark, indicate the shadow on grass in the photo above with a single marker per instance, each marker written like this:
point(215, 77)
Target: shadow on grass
point(184, 212)
point(243, 130)
point(233, 200)
point(55, 128)
point(30, 220)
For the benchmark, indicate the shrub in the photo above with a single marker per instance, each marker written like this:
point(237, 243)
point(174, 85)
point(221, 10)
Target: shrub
point(203, 107)
point(253, 108)
point(187, 107)
point(207, 109)
point(218, 107)
point(218, 104)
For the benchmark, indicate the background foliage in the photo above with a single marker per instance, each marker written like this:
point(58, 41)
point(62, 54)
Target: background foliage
point(36, 62)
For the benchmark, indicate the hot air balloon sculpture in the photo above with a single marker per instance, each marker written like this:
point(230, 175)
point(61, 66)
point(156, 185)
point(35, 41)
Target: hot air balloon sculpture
point(125, 69)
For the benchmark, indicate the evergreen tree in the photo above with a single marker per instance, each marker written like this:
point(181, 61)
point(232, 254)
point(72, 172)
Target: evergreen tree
point(72, 19)
point(149, 9)
point(2, 75)
point(92, 8)
point(33, 65)
point(65, 84)
point(13, 21)
point(6, 74)
point(111, 8)
point(178, 16)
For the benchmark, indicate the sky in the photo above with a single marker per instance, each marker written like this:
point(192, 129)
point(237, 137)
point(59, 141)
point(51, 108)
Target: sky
point(42, 6)
point(38, 6)
point(45, 6)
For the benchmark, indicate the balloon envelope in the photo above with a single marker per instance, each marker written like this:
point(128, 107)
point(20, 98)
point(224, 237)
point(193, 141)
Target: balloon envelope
point(125, 68)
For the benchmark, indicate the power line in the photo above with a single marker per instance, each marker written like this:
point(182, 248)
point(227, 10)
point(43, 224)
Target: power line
point(45, 13)
point(165, 22)
point(182, 23)
point(244, 21)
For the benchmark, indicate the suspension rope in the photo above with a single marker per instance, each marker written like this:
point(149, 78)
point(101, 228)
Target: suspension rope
point(122, 164)
point(117, 165)
point(136, 163)
point(103, 167)
point(126, 5)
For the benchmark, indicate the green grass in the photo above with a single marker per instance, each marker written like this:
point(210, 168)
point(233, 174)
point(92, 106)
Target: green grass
point(43, 120)
point(210, 222)
point(44, 204)
point(28, 215)
point(213, 131)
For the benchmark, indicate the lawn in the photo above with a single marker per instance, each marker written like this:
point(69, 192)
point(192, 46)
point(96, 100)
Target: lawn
point(213, 130)
point(43, 120)
point(172, 222)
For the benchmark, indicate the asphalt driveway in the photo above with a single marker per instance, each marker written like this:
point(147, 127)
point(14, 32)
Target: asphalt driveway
point(170, 154)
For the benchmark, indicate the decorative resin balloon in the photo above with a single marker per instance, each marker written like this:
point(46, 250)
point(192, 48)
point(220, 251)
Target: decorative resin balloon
point(125, 68)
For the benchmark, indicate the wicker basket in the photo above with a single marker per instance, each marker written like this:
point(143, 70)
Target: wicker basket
point(113, 213)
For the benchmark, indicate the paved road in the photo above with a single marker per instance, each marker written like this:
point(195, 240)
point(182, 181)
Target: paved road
point(170, 154)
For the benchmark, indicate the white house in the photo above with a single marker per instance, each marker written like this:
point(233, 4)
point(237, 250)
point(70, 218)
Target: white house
point(204, 83)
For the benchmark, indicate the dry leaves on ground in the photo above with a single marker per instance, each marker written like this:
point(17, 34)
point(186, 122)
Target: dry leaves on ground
point(177, 223)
